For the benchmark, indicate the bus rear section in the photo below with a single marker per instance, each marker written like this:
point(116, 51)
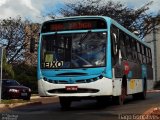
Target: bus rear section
point(131, 63)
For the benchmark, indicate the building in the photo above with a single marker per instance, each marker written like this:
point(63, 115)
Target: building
point(153, 40)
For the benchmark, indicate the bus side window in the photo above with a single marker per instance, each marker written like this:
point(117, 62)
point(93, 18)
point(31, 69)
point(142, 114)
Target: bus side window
point(145, 56)
point(115, 43)
point(139, 53)
point(150, 57)
point(142, 52)
point(128, 47)
point(122, 46)
point(134, 50)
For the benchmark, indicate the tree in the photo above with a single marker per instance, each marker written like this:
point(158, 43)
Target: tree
point(31, 33)
point(12, 37)
point(26, 75)
point(7, 68)
point(133, 20)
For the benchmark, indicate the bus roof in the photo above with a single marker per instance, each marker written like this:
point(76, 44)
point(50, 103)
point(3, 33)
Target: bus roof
point(128, 32)
point(108, 19)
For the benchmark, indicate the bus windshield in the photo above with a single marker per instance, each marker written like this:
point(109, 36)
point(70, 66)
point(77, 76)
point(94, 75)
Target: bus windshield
point(78, 50)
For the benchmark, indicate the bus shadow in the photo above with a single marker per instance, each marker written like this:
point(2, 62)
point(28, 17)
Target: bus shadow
point(93, 105)
point(84, 105)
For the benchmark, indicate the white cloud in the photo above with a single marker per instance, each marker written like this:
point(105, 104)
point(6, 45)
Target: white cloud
point(34, 9)
point(28, 4)
point(31, 9)
point(2, 2)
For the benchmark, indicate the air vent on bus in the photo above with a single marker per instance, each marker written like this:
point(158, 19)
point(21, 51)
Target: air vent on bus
point(72, 74)
point(79, 90)
point(73, 82)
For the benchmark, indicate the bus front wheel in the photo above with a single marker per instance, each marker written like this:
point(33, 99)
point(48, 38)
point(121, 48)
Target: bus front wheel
point(65, 102)
point(119, 100)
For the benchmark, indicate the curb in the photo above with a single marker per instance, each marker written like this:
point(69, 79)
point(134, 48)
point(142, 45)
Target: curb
point(23, 104)
point(2, 106)
point(36, 102)
point(153, 91)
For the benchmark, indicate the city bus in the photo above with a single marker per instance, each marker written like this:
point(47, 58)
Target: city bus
point(92, 57)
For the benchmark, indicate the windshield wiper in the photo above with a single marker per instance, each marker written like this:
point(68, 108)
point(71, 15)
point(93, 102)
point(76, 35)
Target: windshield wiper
point(83, 38)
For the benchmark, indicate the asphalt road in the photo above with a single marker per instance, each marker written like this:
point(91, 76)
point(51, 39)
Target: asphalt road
point(83, 110)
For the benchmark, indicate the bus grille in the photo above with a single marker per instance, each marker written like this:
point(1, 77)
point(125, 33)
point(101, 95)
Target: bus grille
point(79, 90)
point(74, 82)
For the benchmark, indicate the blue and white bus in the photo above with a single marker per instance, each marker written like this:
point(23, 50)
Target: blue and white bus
point(92, 57)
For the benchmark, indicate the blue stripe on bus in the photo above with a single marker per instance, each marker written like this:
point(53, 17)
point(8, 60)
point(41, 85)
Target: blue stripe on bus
point(39, 74)
point(108, 51)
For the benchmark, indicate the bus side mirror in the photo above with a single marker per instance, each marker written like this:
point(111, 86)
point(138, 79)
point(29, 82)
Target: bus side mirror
point(32, 45)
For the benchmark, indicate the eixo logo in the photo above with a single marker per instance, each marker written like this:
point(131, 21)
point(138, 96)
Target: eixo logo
point(53, 64)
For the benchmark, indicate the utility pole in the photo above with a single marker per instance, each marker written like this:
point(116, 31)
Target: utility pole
point(154, 48)
point(1, 63)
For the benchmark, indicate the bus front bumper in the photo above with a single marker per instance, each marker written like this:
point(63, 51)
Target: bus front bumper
point(101, 87)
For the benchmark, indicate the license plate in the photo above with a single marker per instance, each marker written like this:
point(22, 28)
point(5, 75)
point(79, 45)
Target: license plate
point(23, 94)
point(71, 88)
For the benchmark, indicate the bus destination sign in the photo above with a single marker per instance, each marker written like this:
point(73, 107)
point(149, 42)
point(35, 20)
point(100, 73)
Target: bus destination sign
point(83, 24)
point(71, 26)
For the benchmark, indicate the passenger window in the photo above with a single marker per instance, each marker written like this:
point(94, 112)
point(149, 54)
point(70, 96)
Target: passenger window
point(128, 47)
point(134, 50)
point(115, 44)
point(150, 57)
point(122, 46)
point(139, 53)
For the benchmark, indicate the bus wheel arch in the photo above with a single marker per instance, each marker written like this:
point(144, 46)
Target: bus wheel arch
point(119, 100)
point(124, 81)
point(141, 95)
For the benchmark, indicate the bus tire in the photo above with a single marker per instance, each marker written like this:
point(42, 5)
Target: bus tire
point(65, 103)
point(119, 100)
point(143, 95)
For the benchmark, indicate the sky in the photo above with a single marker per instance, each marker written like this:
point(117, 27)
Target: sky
point(36, 10)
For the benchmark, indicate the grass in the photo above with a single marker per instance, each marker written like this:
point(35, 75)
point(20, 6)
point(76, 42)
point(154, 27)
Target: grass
point(12, 101)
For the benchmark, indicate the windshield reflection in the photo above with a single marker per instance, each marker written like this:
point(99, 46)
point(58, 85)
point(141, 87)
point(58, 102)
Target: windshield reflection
point(78, 50)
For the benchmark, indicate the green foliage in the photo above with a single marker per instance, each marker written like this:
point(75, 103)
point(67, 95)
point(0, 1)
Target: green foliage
point(26, 75)
point(12, 101)
point(7, 68)
point(133, 19)
point(12, 37)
